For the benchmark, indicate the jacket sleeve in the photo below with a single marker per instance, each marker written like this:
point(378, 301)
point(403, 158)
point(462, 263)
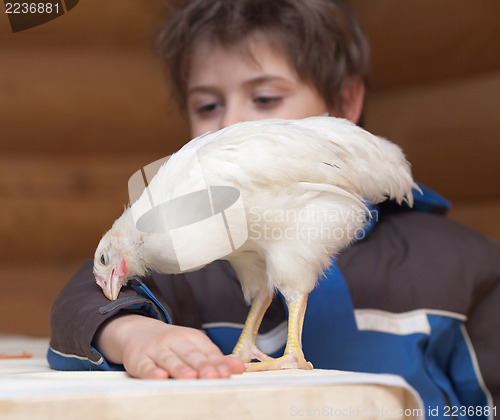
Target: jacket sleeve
point(483, 324)
point(188, 299)
point(81, 308)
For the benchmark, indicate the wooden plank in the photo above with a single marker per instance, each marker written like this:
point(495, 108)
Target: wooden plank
point(483, 216)
point(30, 389)
point(89, 101)
point(124, 24)
point(69, 175)
point(429, 41)
point(410, 44)
point(54, 208)
point(449, 132)
point(28, 291)
point(54, 230)
point(265, 400)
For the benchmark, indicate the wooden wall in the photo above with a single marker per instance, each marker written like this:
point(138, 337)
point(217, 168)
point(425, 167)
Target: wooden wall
point(83, 105)
point(435, 90)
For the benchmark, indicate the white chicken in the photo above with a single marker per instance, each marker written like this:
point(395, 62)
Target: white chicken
point(302, 184)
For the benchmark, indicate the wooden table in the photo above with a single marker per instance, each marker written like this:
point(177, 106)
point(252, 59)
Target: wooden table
point(29, 389)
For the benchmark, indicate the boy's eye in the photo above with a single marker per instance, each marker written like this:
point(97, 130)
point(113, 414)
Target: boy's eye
point(267, 101)
point(207, 108)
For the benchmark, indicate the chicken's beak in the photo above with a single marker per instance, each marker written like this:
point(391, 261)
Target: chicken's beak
point(111, 286)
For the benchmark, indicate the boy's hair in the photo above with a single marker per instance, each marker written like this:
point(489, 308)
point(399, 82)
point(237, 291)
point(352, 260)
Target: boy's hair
point(322, 40)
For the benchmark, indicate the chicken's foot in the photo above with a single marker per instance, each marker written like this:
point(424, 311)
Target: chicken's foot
point(246, 348)
point(293, 357)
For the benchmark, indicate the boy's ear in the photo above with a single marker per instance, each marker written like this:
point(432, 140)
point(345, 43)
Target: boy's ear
point(353, 96)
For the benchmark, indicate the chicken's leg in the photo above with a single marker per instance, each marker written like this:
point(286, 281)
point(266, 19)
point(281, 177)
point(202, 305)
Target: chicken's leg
point(246, 348)
point(293, 357)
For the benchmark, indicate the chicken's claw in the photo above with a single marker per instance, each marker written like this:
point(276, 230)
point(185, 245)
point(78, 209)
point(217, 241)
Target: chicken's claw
point(247, 352)
point(287, 361)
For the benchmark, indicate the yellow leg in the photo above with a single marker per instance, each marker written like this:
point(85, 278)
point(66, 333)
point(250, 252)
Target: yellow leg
point(246, 348)
point(293, 357)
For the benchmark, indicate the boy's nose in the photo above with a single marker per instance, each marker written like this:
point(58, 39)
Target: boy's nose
point(230, 118)
point(234, 114)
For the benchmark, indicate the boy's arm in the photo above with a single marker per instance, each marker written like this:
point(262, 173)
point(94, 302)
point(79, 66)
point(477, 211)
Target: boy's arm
point(133, 331)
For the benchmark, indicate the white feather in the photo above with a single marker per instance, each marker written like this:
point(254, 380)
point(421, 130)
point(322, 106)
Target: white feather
point(302, 183)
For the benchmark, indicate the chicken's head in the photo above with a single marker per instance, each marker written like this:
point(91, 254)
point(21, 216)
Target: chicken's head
point(118, 256)
point(110, 268)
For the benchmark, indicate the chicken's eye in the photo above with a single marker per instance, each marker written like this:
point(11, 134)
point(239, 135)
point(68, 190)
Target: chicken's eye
point(104, 259)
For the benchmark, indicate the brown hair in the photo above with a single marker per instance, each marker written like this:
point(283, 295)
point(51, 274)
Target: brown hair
point(321, 38)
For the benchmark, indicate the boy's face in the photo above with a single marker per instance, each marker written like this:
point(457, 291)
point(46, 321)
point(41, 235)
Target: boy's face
point(226, 86)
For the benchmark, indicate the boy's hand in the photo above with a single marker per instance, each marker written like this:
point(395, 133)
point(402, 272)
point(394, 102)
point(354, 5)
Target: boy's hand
point(151, 349)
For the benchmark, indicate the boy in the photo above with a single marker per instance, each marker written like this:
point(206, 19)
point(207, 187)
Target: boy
point(241, 60)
